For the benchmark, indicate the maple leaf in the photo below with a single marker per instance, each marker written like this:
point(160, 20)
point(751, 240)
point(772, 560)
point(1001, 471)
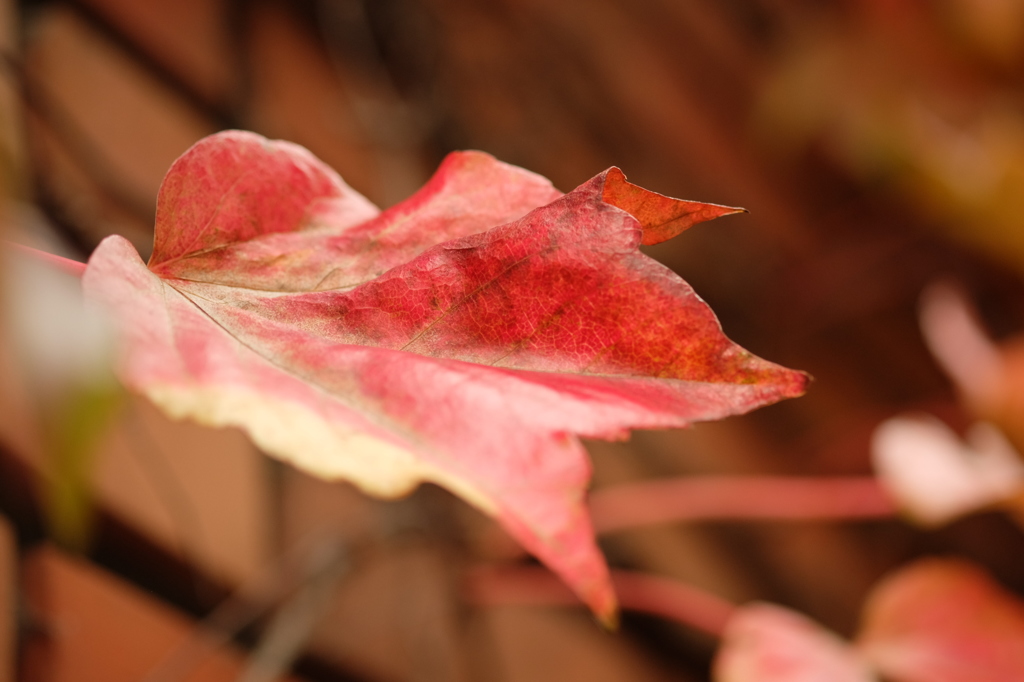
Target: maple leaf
point(465, 337)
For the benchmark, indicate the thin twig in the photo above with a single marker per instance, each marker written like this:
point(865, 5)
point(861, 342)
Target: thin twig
point(269, 587)
point(662, 597)
point(286, 635)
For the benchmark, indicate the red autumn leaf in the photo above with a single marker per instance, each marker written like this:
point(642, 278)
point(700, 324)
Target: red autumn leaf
point(768, 643)
point(465, 336)
point(944, 621)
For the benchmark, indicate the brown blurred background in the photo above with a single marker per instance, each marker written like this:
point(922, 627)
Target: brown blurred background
point(878, 146)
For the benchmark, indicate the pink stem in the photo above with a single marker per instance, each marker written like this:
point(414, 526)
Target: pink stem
point(69, 266)
point(738, 498)
point(534, 586)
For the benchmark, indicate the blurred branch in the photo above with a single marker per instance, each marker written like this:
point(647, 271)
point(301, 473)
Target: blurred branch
point(291, 627)
point(303, 568)
point(9, 602)
point(707, 498)
point(670, 599)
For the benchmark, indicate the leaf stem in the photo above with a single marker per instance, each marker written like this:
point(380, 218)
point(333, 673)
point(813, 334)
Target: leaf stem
point(739, 498)
point(72, 267)
point(653, 595)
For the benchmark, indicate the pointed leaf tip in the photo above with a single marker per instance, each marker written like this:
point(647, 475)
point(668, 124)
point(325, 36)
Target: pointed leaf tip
point(661, 217)
point(609, 619)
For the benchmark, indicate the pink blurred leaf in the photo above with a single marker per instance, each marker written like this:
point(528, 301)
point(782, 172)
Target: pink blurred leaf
point(465, 336)
point(768, 643)
point(944, 621)
point(961, 346)
point(988, 376)
point(935, 476)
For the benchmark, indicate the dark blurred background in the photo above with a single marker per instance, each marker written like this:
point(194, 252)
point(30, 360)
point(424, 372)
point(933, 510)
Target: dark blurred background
point(878, 146)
